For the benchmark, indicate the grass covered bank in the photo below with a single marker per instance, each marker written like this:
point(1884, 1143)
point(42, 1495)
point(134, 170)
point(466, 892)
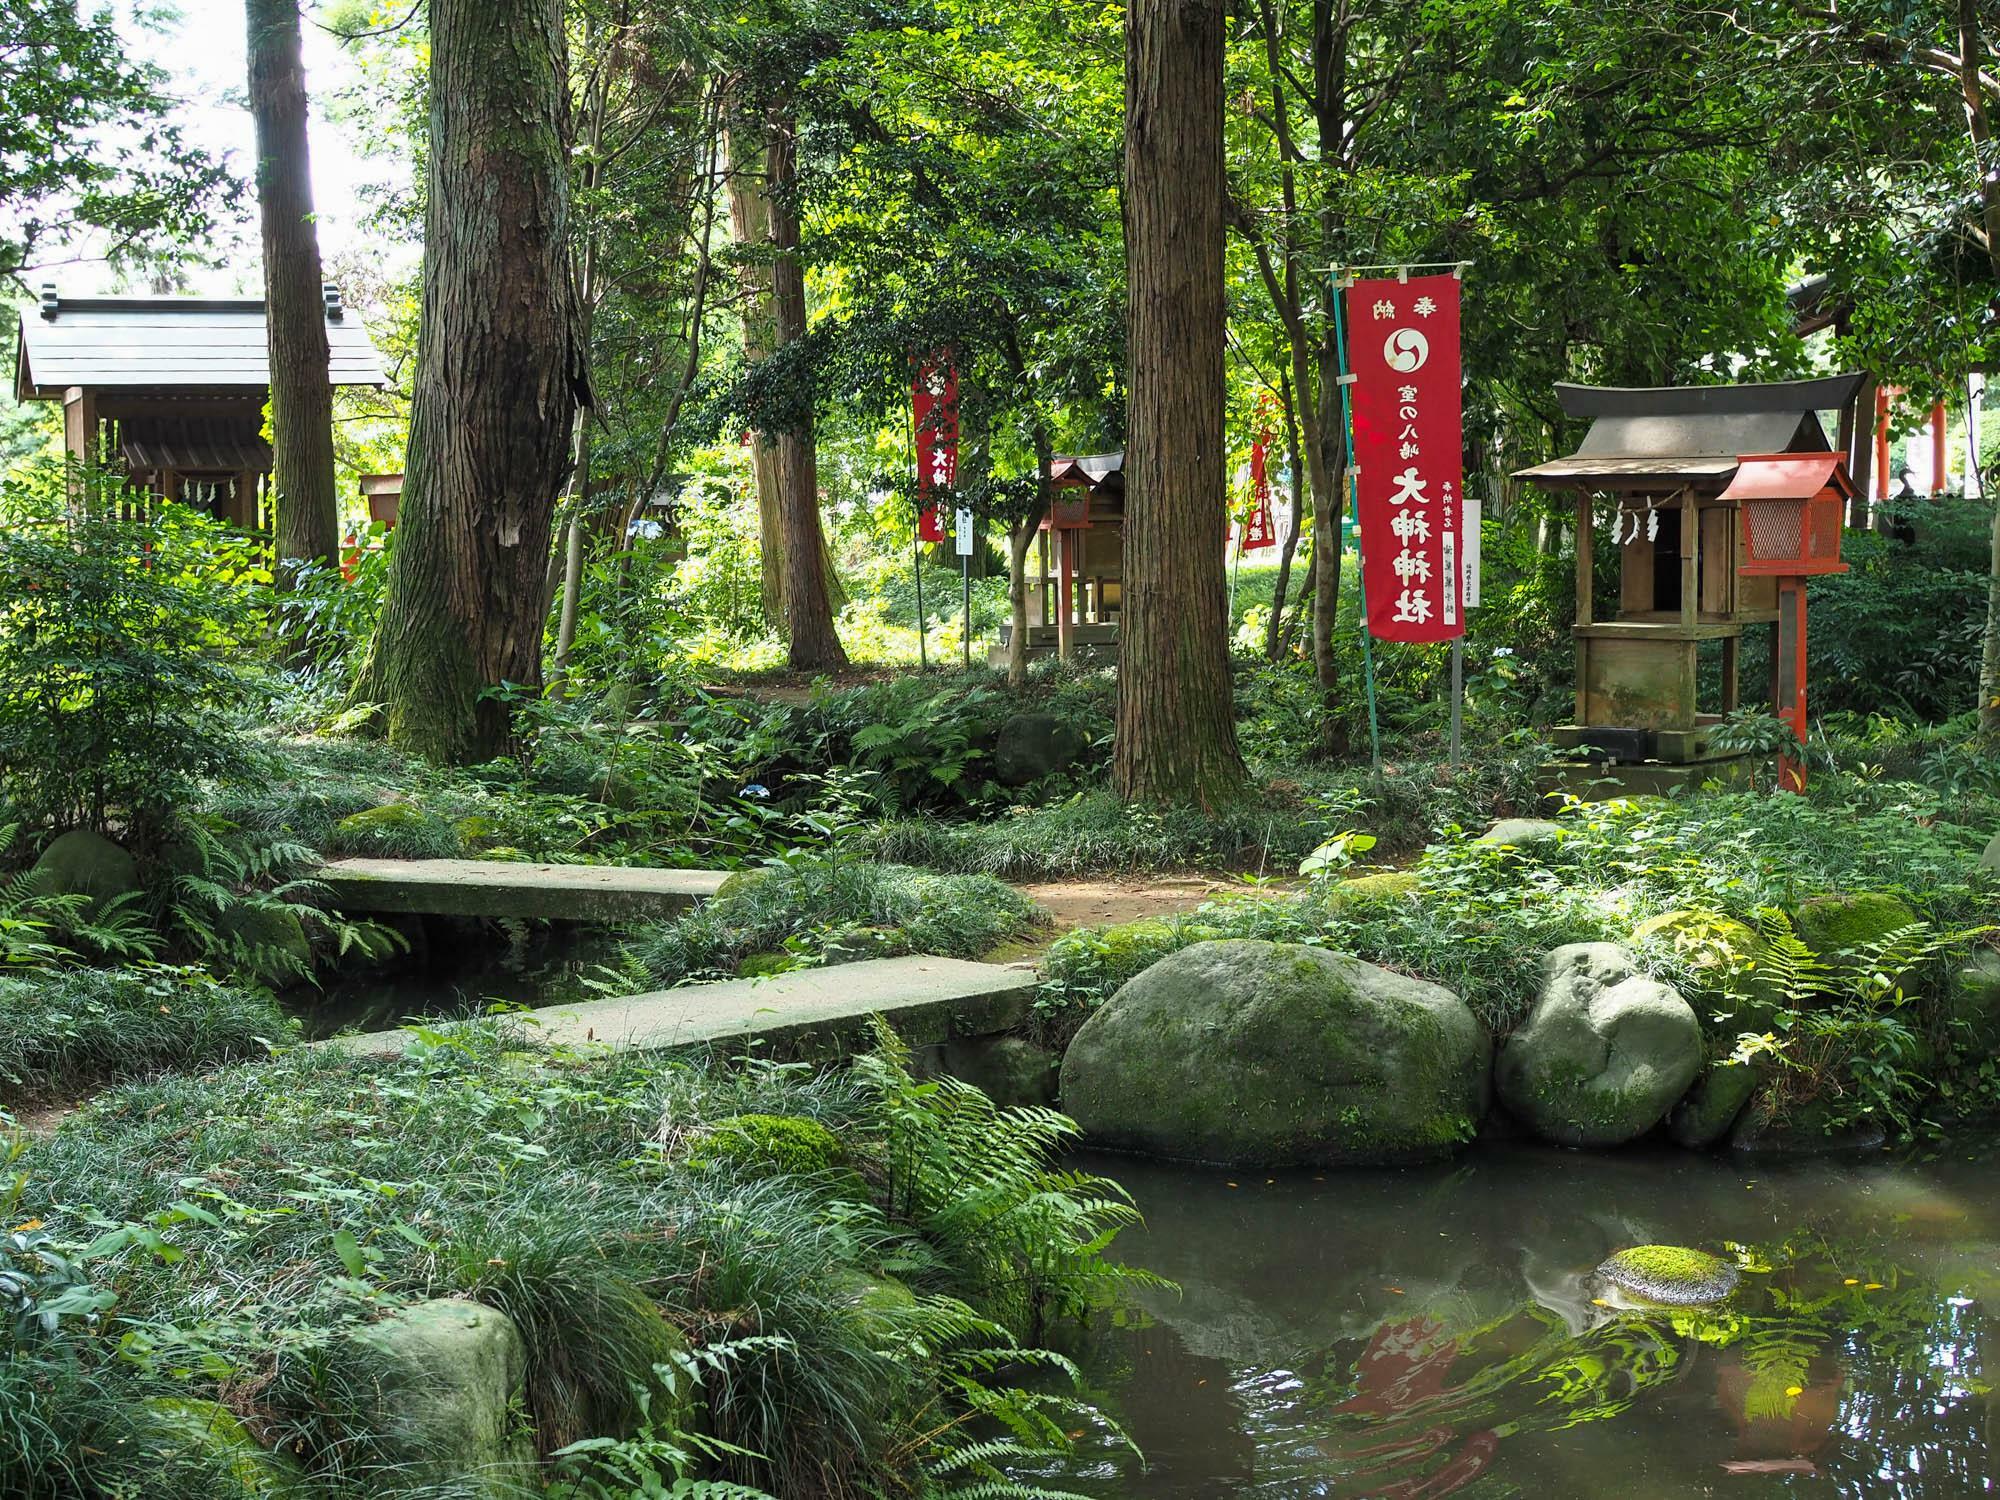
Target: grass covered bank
point(855, 1283)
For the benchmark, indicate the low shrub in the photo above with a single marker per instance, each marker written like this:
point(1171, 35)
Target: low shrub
point(67, 1029)
point(797, 905)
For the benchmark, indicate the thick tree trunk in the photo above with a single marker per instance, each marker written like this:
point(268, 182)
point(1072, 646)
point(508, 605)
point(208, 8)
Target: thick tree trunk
point(815, 645)
point(307, 515)
point(750, 227)
point(1176, 732)
point(499, 375)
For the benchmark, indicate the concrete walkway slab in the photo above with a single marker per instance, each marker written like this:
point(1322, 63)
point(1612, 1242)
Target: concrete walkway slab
point(503, 888)
point(808, 1010)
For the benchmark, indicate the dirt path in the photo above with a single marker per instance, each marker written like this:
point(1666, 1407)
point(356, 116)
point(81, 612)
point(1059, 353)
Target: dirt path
point(1099, 900)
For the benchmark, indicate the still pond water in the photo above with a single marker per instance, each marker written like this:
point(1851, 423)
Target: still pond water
point(1419, 1334)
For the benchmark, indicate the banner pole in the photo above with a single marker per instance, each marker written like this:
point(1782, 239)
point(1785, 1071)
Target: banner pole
point(1354, 486)
point(917, 572)
point(1457, 692)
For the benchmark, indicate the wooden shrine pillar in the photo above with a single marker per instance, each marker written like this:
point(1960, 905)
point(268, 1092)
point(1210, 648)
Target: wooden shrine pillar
point(1690, 558)
point(1586, 567)
point(1939, 456)
point(1881, 442)
point(80, 424)
point(243, 500)
point(1857, 441)
point(1065, 591)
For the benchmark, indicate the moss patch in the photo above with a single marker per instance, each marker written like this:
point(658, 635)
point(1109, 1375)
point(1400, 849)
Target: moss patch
point(770, 1145)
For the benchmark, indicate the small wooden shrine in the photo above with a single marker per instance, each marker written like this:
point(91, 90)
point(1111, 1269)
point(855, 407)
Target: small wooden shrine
point(1076, 592)
point(1667, 458)
point(172, 390)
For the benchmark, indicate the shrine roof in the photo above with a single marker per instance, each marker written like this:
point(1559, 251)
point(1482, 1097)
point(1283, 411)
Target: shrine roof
point(179, 344)
point(1689, 434)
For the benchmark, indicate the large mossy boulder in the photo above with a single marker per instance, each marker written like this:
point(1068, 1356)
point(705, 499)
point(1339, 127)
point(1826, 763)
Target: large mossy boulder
point(1704, 1115)
point(187, 1434)
point(1273, 1054)
point(1990, 860)
point(1846, 923)
point(1974, 1008)
point(1605, 1053)
point(436, 1390)
point(1381, 889)
point(271, 939)
point(82, 863)
point(1032, 746)
point(1671, 1274)
point(1530, 834)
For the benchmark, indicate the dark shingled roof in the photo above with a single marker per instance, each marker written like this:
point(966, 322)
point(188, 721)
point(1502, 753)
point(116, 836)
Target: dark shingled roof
point(1689, 434)
point(185, 344)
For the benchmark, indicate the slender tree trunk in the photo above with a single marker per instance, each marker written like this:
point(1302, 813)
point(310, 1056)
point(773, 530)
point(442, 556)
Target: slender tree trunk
point(1176, 730)
point(1303, 608)
point(1986, 155)
point(750, 227)
point(1019, 545)
point(815, 645)
point(307, 514)
point(499, 377)
point(1283, 587)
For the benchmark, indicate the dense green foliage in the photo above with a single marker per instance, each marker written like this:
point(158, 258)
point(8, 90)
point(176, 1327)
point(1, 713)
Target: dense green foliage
point(329, 1191)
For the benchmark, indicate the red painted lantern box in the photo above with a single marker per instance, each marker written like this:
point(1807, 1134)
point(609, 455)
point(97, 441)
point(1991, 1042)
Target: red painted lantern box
point(1794, 508)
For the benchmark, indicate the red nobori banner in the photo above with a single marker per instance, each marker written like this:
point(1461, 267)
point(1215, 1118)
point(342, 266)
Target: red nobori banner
point(934, 403)
point(1403, 347)
point(1260, 530)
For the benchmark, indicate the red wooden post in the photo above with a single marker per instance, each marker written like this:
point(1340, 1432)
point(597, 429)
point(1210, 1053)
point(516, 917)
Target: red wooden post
point(1882, 394)
point(1937, 449)
point(1792, 675)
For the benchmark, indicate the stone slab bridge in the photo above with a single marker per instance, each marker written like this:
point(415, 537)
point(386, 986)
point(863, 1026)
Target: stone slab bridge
point(804, 1012)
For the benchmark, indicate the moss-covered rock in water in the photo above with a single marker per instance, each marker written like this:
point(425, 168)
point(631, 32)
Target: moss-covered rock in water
point(1704, 1116)
point(184, 1433)
point(1258, 1053)
point(82, 863)
point(1523, 833)
point(1009, 1070)
point(1032, 746)
point(436, 1391)
point(770, 1145)
point(1671, 1274)
point(1605, 1053)
point(1373, 890)
point(1839, 923)
point(1990, 860)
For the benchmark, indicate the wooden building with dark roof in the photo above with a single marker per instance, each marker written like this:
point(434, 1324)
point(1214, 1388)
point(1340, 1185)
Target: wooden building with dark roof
point(171, 390)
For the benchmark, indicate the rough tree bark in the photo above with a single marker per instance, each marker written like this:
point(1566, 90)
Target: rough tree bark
point(814, 643)
point(1176, 728)
point(307, 517)
point(750, 227)
point(499, 377)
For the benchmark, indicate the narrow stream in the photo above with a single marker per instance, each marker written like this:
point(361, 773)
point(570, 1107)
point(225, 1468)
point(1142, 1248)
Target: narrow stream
point(1438, 1332)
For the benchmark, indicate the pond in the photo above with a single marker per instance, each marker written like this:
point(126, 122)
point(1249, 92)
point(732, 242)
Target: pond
point(1439, 1332)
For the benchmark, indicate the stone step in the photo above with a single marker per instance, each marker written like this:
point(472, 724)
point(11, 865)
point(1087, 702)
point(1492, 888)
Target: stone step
point(927, 1000)
point(504, 888)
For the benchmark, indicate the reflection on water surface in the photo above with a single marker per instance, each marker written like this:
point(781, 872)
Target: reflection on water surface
point(1428, 1333)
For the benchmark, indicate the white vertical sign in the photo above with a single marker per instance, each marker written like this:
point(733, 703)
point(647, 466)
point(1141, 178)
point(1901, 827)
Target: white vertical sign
point(1468, 554)
point(964, 532)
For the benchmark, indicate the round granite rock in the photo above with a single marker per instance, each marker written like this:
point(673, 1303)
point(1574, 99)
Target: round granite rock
point(1671, 1274)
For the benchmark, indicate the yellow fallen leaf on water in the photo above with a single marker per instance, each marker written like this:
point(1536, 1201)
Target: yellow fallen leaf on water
point(1599, 1302)
point(1795, 1390)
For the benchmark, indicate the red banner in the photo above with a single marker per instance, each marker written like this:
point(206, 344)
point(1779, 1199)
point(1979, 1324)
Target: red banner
point(934, 401)
point(1260, 530)
point(1403, 347)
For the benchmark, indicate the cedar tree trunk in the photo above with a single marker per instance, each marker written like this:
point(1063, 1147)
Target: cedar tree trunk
point(1176, 735)
point(815, 646)
point(750, 227)
point(499, 377)
point(307, 517)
